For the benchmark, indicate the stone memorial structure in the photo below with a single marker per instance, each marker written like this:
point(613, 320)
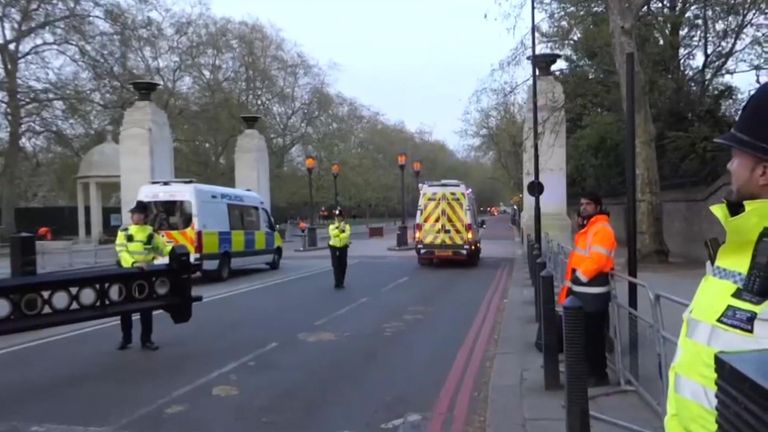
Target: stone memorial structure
point(552, 162)
point(99, 166)
point(252, 160)
point(146, 147)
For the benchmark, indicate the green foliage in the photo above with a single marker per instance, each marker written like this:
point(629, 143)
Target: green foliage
point(212, 70)
point(688, 49)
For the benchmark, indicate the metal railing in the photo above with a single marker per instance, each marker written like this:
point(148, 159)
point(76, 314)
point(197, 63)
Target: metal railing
point(634, 332)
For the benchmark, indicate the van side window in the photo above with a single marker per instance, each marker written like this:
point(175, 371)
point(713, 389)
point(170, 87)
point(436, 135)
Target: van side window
point(268, 223)
point(251, 220)
point(235, 217)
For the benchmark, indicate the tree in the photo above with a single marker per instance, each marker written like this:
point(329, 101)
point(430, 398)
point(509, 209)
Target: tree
point(684, 48)
point(35, 36)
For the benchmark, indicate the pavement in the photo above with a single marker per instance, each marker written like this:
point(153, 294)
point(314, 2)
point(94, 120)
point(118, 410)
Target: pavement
point(517, 400)
point(399, 349)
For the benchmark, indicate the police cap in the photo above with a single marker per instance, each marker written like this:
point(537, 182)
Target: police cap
point(750, 133)
point(140, 207)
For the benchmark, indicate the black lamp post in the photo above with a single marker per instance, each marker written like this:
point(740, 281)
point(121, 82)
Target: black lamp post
point(402, 231)
point(310, 162)
point(335, 170)
point(416, 166)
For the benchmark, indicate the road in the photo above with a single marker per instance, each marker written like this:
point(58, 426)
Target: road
point(276, 351)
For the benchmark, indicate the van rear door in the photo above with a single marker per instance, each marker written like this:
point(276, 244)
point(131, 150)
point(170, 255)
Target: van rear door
point(443, 218)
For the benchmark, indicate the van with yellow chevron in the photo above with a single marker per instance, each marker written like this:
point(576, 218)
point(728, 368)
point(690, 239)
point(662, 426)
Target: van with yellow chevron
point(447, 227)
point(223, 228)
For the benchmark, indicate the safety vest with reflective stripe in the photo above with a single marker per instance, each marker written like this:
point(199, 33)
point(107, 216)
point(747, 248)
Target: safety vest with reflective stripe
point(589, 264)
point(721, 317)
point(139, 244)
point(339, 233)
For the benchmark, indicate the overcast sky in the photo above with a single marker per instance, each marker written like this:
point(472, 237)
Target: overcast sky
point(412, 60)
point(417, 61)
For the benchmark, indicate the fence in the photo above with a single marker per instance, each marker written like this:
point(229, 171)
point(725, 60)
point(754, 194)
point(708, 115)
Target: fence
point(643, 346)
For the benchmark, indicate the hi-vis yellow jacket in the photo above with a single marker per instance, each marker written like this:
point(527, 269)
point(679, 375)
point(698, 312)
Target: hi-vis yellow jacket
point(339, 232)
point(721, 317)
point(139, 244)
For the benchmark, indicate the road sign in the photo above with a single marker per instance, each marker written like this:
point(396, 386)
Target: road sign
point(535, 188)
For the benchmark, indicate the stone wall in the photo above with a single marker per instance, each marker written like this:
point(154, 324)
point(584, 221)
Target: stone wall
point(687, 219)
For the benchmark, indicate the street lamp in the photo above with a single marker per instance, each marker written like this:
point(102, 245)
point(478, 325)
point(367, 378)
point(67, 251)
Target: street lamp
point(310, 240)
point(335, 170)
point(402, 231)
point(535, 187)
point(416, 166)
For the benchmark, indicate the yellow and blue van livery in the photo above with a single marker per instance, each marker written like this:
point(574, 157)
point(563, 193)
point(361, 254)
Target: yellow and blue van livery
point(239, 243)
point(224, 228)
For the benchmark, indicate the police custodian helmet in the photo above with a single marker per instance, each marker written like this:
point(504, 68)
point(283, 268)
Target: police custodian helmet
point(750, 133)
point(140, 207)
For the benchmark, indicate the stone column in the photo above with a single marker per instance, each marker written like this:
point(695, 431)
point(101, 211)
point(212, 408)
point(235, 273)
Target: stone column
point(252, 160)
point(552, 162)
point(146, 148)
point(96, 220)
point(80, 212)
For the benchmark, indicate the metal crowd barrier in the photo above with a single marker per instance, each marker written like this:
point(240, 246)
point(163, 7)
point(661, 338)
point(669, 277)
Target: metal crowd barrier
point(648, 379)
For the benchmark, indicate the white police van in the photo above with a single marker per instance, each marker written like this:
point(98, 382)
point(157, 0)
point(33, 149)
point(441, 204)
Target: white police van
point(223, 228)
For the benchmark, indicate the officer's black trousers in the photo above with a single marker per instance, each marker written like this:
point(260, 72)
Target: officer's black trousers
point(595, 326)
point(126, 324)
point(339, 263)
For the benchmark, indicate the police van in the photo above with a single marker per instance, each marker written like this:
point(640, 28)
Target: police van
point(447, 227)
point(223, 228)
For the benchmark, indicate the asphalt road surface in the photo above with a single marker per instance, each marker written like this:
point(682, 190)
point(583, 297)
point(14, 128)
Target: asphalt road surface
point(398, 349)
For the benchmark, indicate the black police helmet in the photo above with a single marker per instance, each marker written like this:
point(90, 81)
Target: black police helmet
point(750, 133)
point(140, 207)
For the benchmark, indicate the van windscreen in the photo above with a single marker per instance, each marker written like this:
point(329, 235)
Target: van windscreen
point(170, 215)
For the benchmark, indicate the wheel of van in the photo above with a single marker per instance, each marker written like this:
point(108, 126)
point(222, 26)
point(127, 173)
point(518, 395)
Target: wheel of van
point(225, 268)
point(425, 261)
point(276, 258)
point(474, 259)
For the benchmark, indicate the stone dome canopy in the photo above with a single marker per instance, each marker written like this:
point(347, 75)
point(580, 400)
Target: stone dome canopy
point(101, 161)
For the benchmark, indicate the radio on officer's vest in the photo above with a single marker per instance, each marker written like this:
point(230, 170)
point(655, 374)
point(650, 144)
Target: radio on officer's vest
point(757, 278)
point(712, 246)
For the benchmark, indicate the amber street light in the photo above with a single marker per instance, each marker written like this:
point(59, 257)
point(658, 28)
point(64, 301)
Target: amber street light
point(416, 165)
point(402, 238)
point(310, 162)
point(335, 170)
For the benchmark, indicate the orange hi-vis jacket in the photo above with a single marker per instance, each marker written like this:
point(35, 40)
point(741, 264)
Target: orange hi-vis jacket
point(589, 265)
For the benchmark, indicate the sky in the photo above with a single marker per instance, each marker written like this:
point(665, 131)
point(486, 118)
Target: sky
point(415, 61)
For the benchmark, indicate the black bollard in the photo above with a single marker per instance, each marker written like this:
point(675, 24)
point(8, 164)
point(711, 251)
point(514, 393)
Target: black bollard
point(23, 255)
point(576, 373)
point(549, 332)
point(312, 237)
point(541, 265)
point(535, 255)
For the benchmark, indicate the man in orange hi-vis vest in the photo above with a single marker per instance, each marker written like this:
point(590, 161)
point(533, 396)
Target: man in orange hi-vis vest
point(587, 278)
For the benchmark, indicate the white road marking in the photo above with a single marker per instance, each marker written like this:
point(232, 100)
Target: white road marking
point(337, 313)
point(240, 289)
point(393, 284)
point(195, 384)
point(408, 418)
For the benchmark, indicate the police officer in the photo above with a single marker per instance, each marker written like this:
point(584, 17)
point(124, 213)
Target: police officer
point(339, 232)
point(137, 245)
point(728, 312)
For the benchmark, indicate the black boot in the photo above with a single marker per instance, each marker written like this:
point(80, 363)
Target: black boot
point(150, 346)
point(123, 346)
